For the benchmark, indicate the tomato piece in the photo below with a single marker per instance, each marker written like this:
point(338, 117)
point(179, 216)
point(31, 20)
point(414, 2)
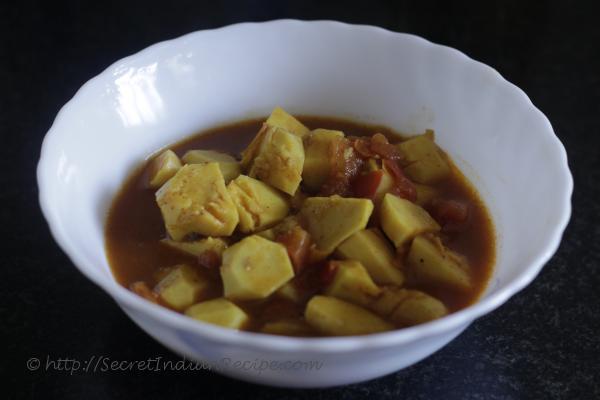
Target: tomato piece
point(297, 242)
point(343, 168)
point(383, 148)
point(447, 211)
point(363, 147)
point(403, 186)
point(366, 185)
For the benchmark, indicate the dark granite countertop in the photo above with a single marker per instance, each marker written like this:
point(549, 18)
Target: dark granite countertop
point(542, 344)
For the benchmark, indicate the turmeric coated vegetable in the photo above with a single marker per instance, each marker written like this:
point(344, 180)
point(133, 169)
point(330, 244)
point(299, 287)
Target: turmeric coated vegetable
point(181, 287)
point(371, 248)
point(387, 301)
point(195, 200)
point(426, 163)
point(163, 167)
point(332, 316)
point(220, 312)
point(402, 220)
point(417, 308)
point(331, 220)
point(290, 292)
point(317, 163)
point(254, 268)
point(276, 157)
point(258, 204)
point(407, 307)
point(198, 247)
point(433, 264)
point(230, 167)
point(281, 119)
point(352, 283)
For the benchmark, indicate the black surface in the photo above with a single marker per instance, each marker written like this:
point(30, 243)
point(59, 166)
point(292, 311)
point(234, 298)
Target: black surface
point(542, 344)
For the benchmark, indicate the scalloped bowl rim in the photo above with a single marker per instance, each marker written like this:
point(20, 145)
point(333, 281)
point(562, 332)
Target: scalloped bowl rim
point(327, 344)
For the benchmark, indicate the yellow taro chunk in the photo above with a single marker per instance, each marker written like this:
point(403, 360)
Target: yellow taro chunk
point(352, 283)
point(318, 152)
point(370, 247)
point(254, 268)
point(426, 163)
point(290, 292)
point(197, 247)
point(402, 220)
point(276, 157)
point(195, 200)
point(258, 204)
point(389, 298)
point(281, 119)
point(230, 167)
point(433, 264)
point(417, 307)
point(331, 220)
point(335, 317)
point(181, 287)
point(162, 168)
point(220, 312)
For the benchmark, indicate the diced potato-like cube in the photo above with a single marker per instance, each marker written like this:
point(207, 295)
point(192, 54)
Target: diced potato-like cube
point(162, 168)
point(250, 152)
point(336, 317)
point(331, 220)
point(230, 167)
point(388, 300)
point(276, 157)
point(416, 148)
point(425, 194)
point(195, 200)
point(181, 287)
point(220, 312)
point(374, 252)
point(426, 163)
point(290, 292)
point(431, 263)
point(317, 159)
point(288, 327)
point(417, 307)
point(352, 283)
point(258, 204)
point(428, 170)
point(254, 268)
point(402, 220)
point(197, 247)
point(281, 119)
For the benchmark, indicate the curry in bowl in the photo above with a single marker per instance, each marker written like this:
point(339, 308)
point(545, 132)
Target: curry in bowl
point(275, 227)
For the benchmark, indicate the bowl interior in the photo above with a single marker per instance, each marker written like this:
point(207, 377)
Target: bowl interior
point(502, 143)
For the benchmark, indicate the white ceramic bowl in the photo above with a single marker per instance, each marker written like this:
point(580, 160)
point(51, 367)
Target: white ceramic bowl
point(175, 88)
